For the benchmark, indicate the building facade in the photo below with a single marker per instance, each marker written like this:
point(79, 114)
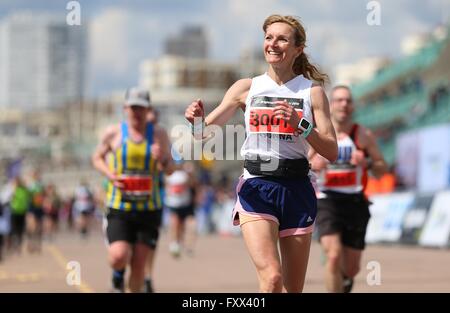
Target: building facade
point(42, 62)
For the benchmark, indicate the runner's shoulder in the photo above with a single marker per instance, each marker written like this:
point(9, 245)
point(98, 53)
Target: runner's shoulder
point(243, 83)
point(365, 131)
point(110, 132)
point(365, 135)
point(317, 89)
point(239, 91)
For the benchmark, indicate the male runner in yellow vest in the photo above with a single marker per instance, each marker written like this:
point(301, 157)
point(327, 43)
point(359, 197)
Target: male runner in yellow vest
point(131, 155)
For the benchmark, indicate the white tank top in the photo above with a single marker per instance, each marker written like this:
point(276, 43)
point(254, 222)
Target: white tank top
point(178, 194)
point(341, 176)
point(267, 136)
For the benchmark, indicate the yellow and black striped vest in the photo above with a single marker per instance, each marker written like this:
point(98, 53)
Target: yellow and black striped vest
point(133, 157)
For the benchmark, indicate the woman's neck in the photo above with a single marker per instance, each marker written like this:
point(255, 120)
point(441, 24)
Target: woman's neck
point(281, 75)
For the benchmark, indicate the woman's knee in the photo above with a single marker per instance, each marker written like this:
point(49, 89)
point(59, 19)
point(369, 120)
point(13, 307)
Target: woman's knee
point(271, 278)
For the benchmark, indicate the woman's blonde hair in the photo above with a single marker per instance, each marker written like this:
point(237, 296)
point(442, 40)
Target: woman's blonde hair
point(301, 63)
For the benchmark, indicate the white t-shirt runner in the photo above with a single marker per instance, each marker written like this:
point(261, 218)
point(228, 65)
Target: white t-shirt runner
point(270, 137)
point(178, 194)
point(341, 176)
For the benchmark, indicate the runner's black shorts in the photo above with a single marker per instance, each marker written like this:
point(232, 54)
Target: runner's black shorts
point(133, 227)
point(344, 214)
point(37, 212)
point(183, 212)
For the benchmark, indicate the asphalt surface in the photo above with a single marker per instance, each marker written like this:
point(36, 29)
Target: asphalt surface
point(219, 264)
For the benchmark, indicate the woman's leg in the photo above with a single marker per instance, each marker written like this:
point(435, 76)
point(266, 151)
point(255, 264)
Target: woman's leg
point(294, 256)
point(261, 237)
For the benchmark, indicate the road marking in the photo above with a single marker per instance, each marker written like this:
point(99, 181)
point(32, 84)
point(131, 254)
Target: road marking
point(3, 275)
point(62, 261)
point(22, 277)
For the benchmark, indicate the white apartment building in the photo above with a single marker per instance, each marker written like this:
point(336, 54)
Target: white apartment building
point(42, 61)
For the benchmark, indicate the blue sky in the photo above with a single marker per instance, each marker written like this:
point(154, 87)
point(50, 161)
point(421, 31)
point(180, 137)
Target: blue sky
point(122, 33)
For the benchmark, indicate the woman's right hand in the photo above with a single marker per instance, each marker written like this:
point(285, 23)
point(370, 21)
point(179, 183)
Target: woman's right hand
point(195, 112)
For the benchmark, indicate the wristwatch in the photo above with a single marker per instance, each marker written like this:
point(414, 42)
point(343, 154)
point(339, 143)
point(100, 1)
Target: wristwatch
point(305, 126)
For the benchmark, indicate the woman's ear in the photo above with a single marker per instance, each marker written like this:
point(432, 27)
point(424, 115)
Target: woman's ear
point(299, 51)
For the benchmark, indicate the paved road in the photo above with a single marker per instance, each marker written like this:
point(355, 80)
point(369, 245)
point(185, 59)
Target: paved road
point(220, 264)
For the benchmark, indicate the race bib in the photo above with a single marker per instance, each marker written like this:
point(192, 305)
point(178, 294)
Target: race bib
point(262, 117)
point(137, 187)
point(177, 189)
point(341, 179)
point(38, 200)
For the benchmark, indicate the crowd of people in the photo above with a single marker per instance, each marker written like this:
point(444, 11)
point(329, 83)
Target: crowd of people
point(31, 212)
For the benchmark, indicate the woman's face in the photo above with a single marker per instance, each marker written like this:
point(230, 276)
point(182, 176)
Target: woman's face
point(279, 44)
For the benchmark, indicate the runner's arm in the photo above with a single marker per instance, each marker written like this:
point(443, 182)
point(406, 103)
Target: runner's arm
point(166, 162)
point(378, 165)
point(322, 138)
point(233, 99)
point(104, 147)
point(317, 161)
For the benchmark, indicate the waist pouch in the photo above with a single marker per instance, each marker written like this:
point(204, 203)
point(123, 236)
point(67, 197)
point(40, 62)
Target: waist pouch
point(289, 168)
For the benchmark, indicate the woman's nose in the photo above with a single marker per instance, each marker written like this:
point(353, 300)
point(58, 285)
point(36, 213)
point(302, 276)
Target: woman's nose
point(272, 43)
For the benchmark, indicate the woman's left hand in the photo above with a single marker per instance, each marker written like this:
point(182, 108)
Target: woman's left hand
point(285, 111)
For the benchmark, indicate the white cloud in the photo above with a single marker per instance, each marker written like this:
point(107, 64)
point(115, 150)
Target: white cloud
point(122, 34)
point(119, 41)
point(236, 25)
point(336, 32)
point(118, 36)
point(108, 40)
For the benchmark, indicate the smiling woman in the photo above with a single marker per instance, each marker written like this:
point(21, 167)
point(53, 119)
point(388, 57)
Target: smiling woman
point(275, 198)
point(277, 25)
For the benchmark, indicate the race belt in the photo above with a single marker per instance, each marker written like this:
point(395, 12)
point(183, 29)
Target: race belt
point(287, 168)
